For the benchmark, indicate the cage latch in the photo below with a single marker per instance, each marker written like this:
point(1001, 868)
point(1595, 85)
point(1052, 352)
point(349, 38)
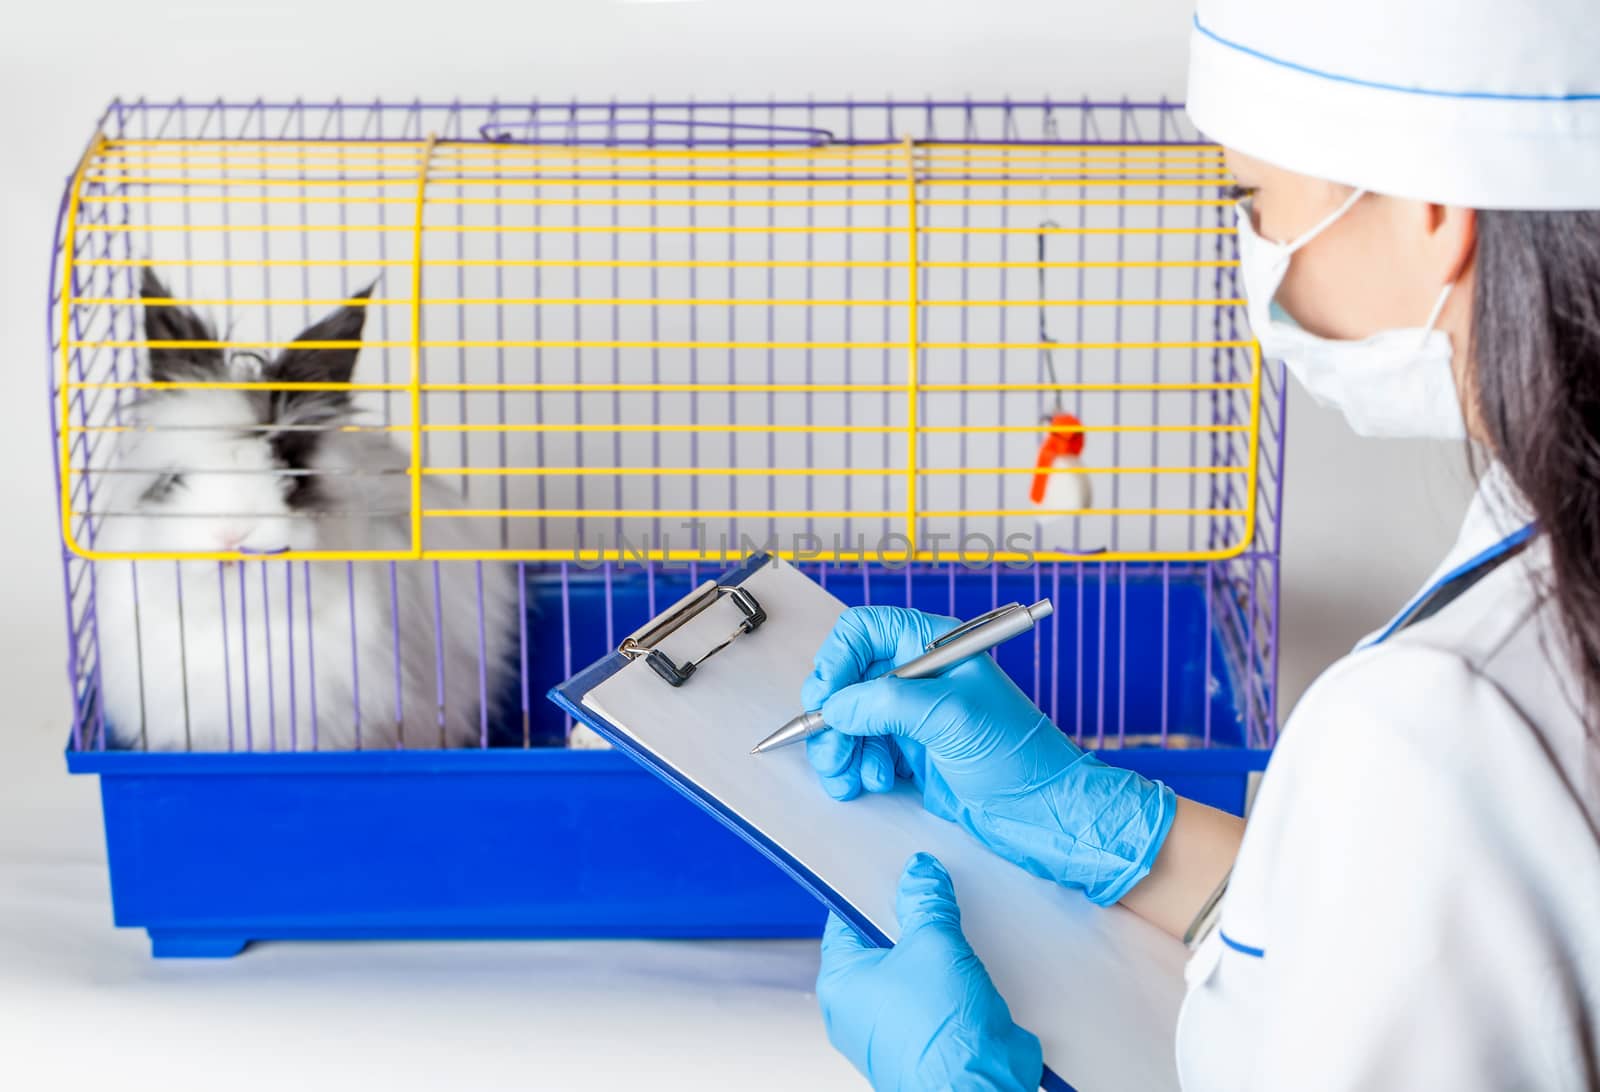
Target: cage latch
point(642, 643)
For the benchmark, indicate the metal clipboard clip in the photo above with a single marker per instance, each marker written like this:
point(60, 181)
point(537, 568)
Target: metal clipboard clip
point(971, 624)
point(642, 642)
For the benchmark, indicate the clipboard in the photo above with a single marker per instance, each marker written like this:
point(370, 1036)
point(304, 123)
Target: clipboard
point(673, 697)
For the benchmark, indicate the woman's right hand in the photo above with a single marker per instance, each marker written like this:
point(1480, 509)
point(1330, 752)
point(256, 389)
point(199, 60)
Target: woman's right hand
point(981, 754)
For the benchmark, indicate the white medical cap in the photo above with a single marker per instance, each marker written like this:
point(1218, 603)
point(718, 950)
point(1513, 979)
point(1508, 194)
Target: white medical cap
point(1490, 104)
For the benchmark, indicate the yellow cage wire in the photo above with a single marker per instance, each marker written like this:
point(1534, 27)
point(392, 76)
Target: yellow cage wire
point(905, 197)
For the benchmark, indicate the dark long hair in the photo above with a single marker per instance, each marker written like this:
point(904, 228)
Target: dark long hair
point(1536, 389)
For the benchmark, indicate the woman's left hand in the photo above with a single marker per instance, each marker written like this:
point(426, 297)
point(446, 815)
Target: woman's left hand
point(923, 1014)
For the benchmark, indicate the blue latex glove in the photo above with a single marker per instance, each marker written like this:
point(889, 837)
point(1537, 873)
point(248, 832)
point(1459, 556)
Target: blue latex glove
point(923, 1014)
point(982, 754)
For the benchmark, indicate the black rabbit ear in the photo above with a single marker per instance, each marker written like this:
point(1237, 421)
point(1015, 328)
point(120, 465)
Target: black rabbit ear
point(166, 322)
point(311, 365)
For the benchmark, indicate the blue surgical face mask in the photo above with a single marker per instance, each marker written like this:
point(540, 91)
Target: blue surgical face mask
point(1394, 383)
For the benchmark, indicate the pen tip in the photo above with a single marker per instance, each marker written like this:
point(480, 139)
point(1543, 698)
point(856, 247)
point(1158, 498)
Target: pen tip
point(756, 749)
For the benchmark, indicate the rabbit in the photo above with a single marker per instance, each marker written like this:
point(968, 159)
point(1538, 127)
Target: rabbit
point(283, 655)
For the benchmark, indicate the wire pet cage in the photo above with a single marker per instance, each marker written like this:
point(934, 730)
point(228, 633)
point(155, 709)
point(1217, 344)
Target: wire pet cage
point(944, 354)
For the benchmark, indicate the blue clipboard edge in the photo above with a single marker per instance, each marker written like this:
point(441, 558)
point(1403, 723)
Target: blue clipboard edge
point(569, 697)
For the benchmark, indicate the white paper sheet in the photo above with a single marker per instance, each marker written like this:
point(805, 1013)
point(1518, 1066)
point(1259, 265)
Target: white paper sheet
point(1101, 988)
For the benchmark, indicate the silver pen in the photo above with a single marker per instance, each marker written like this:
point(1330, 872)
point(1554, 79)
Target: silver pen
point(967, 640)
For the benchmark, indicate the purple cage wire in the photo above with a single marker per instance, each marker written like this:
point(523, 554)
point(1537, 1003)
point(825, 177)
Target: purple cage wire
point(1091, 670)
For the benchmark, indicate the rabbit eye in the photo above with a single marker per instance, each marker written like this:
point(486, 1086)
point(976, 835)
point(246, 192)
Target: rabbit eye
point(162, 488)
point(299, 490)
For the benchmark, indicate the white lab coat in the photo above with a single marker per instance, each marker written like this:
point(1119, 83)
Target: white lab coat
point(1416, 904)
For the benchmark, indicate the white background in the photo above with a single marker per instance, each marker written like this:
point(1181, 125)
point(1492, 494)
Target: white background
point(1365, 520)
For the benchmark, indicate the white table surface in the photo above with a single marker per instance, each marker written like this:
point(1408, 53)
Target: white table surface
point(82, 1004)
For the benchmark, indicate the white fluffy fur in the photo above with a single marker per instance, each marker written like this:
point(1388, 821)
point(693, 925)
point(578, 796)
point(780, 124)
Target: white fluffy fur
point(172, 684)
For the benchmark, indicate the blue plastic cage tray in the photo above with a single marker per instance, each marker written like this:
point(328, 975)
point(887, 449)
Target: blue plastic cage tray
point(211, 851)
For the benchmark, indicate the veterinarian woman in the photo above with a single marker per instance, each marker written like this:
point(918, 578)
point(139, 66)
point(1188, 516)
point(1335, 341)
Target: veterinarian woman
point(1415, 903)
